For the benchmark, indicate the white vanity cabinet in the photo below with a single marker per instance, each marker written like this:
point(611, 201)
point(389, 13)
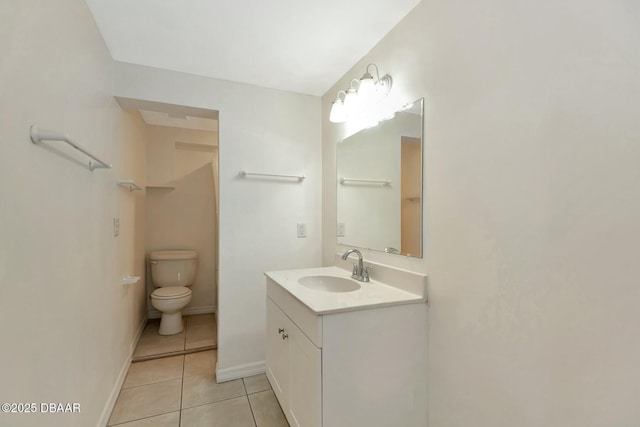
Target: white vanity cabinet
point(295, 369)
point(348, 368)
point(278, 328)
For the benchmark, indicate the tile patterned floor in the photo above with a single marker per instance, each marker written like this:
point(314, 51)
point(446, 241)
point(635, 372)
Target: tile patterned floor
point(200, 332)
point(181, 391)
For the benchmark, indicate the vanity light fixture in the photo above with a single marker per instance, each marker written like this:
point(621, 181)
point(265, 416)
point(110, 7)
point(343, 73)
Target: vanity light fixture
point(369, 90)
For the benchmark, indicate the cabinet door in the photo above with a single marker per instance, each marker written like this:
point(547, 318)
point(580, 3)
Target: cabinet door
point(305, 381)
point(278, 352)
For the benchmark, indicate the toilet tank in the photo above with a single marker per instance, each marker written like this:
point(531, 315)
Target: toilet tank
point(173, 268)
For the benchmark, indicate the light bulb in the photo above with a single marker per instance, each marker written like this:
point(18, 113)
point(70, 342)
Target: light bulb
point(338, 112)
point(351, 101)
point(367, 87)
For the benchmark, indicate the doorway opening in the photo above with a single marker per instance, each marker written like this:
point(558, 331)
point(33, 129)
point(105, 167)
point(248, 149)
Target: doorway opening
point(181, 213)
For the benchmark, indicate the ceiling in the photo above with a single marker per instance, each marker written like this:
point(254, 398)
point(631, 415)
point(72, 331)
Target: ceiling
point(294, 45)
point(179, 121)
point(172, 115)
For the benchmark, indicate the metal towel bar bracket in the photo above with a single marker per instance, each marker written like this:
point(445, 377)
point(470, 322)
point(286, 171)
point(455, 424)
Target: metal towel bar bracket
point(129, 183)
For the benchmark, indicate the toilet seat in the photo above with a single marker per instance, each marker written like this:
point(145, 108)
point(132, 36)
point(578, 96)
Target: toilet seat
point(171, 292)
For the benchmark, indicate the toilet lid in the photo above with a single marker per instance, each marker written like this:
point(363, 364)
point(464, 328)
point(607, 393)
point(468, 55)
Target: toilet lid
point(169, 292)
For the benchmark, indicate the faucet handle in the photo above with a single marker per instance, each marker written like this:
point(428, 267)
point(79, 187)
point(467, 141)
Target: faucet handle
point(365, 273)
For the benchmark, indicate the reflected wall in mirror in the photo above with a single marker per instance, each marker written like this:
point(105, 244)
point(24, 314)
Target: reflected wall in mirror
point(379, 179)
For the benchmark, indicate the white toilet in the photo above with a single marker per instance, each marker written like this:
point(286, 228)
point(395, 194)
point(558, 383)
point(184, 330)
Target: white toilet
point(171, 273)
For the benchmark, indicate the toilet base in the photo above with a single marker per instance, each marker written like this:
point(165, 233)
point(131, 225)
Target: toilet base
point(171, 323)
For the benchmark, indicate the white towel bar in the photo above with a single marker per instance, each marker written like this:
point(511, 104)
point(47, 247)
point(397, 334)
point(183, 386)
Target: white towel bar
point(39, 135)
point(276, 175)
point(369, 181)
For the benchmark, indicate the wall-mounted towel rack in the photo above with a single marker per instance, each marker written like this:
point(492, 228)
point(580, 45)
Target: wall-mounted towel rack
point(38, 135)
point(367, 181)
point(129, 183)
point(275, 175)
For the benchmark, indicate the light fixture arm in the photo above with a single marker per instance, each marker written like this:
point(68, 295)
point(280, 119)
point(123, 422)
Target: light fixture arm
point(366, 71)
point(384, 81)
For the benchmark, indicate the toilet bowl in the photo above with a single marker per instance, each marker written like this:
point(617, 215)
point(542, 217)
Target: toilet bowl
point(170, 304)
point(171, 273)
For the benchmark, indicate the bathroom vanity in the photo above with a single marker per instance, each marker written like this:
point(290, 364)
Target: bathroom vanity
point(348, 353)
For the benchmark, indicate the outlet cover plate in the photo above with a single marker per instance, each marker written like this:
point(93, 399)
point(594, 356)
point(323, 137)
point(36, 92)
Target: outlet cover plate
point(302, 229)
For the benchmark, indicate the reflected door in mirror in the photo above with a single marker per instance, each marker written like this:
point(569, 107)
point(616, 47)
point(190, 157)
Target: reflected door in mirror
point(411, 195)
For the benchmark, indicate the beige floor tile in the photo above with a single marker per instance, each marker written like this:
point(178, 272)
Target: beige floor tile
point(199, 382)
point(146, 401)
point(200, 336)
point(153, 343)
point(201, 319)
point(266, 410)
point(154, 371)
point(167, 420)
point(203, 389)
point(203, 362)
point(151, 327)
point(256, 383)
point(228, 413)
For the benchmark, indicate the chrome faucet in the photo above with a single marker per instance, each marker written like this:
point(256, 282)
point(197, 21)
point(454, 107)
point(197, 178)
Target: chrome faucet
point(359, 272)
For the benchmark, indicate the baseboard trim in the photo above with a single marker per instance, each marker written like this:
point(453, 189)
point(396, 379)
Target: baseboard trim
point(134, 343)
point(113, 397)
point(240, 371)
point(115, 391)
point(205, 309)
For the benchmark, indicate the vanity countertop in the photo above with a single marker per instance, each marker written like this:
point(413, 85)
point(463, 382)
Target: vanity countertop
point(370, 295)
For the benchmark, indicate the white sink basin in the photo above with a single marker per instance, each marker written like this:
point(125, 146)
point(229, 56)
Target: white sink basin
point(329, 283)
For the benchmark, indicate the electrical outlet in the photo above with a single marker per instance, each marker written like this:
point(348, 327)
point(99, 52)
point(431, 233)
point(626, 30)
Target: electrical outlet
point(340, 230)
point(302, 229)
point(116, 227)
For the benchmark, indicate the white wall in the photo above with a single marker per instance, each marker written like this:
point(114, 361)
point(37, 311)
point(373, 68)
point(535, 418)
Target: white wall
point(532, 154)
point(184, 217)
point(67, 324)
point(261, 130)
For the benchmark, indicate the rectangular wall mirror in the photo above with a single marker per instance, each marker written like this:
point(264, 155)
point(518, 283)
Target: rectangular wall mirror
point(379, 179)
